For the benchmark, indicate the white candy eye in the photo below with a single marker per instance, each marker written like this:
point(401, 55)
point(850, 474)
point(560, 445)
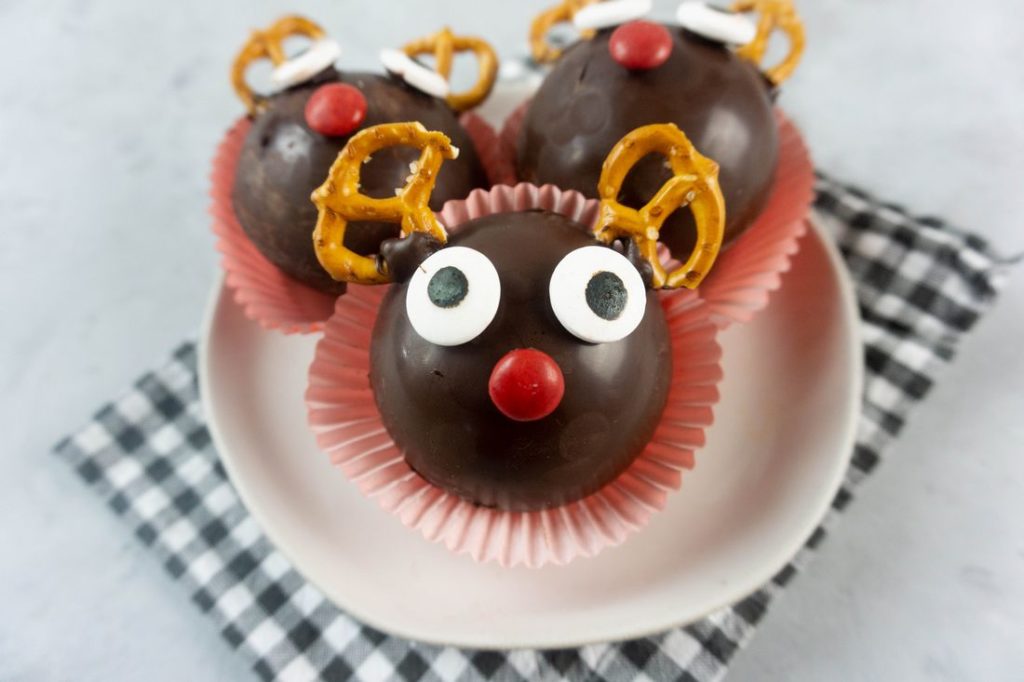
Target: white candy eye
point(301, 68)
point(611, 13)
point(415, 74)
point(453, 296)
point(597, 294)
point(713, 24)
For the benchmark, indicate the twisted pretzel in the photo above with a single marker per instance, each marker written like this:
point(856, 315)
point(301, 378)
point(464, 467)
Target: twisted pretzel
point(694, 183)
point(775, 14)
point(339, 201)
point(443, 45)
point(268, 44)
point(543, 51)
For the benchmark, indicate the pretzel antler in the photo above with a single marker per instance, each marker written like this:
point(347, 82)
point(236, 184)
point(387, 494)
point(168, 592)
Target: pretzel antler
point(542, 50)
point(268, 44)
point(444, 45)
point(339, 201)
point(774, 14)
point(694, 183)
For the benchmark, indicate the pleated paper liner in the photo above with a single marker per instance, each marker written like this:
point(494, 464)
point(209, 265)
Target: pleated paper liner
point(748, 271)
point(499, 167)
point(348, 427)
point(267, 295)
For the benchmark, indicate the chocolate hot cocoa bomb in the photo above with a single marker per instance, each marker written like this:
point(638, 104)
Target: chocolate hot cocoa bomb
point(446, 407)
point(283, 160)
point(589, 101)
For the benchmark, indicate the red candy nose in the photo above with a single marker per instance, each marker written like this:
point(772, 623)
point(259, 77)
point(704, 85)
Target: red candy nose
point(640, 45)
point(526, 385)
point(335, 109)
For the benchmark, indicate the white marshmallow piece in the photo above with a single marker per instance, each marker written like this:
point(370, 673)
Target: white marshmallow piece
point(723, 27)
point(415, 74)
point(611, 13)
point(301, 68)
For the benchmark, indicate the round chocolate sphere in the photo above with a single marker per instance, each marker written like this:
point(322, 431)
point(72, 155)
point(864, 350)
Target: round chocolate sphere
point(590, 101)
point(283, 161)
point(438, 403)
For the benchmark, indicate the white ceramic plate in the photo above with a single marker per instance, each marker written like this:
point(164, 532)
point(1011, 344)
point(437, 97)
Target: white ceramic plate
point(773, 461)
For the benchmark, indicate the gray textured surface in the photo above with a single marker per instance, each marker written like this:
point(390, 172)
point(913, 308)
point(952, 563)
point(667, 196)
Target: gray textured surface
point(108, 115)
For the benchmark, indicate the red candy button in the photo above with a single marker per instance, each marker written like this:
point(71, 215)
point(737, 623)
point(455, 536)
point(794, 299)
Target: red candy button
point(526, 385)
point(640, 45)
point(335, 109)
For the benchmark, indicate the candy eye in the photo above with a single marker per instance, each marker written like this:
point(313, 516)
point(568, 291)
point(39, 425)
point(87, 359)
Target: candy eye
point(597, 294)
point(715, 24)
point(453, 296)
point(611, 13)
point(299, 69)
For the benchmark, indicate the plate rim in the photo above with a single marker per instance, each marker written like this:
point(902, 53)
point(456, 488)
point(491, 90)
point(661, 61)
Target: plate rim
point(480, 640)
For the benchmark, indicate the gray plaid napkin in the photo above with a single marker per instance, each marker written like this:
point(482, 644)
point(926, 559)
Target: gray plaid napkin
point(921, 286)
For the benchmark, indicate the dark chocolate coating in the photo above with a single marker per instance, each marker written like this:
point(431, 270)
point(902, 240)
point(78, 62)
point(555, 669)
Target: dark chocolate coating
point(589, 102)
point(283, 161)
point(404, 255)
point(434, 400)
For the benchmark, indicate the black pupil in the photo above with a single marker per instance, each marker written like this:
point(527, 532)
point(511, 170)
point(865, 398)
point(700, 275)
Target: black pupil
point(447, 287)
point(606, 295)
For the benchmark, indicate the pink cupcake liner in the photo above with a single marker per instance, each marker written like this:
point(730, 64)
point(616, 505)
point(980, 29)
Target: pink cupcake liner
point(266, 295)
point(745, 274)
point(499, 166)
point(348, 428)
point(742, 281)
point(508, 136)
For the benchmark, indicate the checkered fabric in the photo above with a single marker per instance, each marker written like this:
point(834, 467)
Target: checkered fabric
point(921, 286)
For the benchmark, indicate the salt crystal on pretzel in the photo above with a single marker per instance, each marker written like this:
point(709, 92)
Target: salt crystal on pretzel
point(339, 201)
point(694, 184)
